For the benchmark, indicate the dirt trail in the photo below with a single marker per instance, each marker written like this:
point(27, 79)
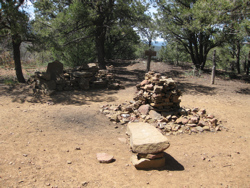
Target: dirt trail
point(38, 141)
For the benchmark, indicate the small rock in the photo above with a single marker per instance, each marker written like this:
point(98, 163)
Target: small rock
point(151, 156)
point(195, 110)
point(144, 82)
point(85, 183)
point(144, 109)
point(206, 128)
point(104, 158)
point(214, 121)
point(154, 115)
point(202, 123)
point(69, 162)
point(47, 184)
point(144, 163)
point(210, 116)
point(200, 129)
point(191, 125)
point(25, 155)
point(78, 148)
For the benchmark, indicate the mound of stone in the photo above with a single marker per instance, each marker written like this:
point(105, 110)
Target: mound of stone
point(157, 102)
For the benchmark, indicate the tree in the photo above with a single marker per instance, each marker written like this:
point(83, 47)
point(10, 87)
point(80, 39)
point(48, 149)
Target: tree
point(86, 20)
point(194, 24)
point(121, 42)
point(237, 27)
point(173, 52)
point(14, 23)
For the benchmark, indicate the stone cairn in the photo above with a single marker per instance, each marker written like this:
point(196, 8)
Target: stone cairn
point(148, 145)
point(157, 102)
point(79, 78)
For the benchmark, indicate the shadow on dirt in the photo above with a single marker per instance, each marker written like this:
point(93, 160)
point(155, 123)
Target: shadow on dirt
point(244, 91)
point(172, 164)
point(24, 93)
point(226, 75)
point(129, 78)
point(194, 89)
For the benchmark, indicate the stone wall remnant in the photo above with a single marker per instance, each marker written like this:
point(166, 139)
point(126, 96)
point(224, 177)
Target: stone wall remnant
point(83, 77)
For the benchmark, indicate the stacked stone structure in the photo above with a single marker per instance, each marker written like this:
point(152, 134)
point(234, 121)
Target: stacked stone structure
point(148, 145)
point(79, 78)
point(159, 92)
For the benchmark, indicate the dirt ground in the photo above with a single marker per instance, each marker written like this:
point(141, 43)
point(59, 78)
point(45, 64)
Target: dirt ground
point(53, 141)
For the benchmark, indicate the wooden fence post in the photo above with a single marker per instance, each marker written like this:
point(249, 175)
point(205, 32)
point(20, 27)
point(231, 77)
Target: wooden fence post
point(214, 68)
point(149, 53)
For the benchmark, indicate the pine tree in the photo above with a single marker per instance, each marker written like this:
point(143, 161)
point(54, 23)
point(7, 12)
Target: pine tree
point(195, 25)
point(85, 21)
point(14, 23)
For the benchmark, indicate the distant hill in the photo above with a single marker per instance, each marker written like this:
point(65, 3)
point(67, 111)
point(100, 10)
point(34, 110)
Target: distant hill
point(159, 43)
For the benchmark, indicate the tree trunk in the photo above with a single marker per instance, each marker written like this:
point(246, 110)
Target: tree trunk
point(245, 65)
point(248, 64)
point(100, 41)
point(16, 43)
point(214, 68)
point(238, 57)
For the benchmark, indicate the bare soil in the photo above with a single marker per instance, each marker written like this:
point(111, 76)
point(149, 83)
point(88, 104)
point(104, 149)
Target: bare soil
point(40, 137)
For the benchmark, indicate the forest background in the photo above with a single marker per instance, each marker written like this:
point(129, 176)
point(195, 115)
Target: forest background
point(76, 32)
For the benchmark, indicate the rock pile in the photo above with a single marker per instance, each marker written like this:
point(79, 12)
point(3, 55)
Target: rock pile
point(157, 103)
point(79, 78)
point(148, 144)
point(159, 92)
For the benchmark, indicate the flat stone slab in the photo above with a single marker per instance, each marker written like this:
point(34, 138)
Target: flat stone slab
point(144, 163)
point(104, 158)
point(145, 138)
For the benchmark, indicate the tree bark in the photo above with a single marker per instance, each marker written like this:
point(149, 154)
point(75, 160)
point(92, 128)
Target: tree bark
point(16, 43)
point(248, 64)
point(100, 42)
point(238, 57)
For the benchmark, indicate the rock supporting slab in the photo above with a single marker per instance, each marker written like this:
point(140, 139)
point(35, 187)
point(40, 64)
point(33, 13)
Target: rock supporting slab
point(145, 139)
point(144, 163)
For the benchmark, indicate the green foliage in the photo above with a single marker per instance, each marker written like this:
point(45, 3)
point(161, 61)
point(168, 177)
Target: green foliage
point(173, 52)
point(223, 58)
point(79, 31)
point(10, 82)
point(195, 25)
point(140, 49)
point(121, 43)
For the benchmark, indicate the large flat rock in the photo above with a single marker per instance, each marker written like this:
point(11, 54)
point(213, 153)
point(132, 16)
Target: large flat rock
point(145, 138)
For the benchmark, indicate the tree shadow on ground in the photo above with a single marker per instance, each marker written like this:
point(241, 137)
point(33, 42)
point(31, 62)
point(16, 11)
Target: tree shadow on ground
point(129, 78)
point(244, 91)
point(226, 75)
point(24, 93)
point(194, 89)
